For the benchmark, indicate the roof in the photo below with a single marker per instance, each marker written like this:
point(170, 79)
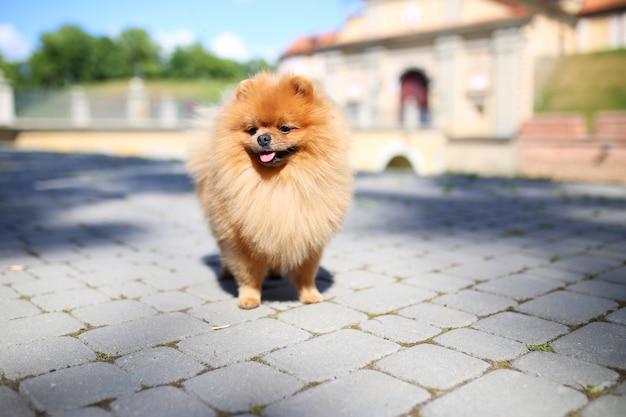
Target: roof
point(598, 6)
point(516, 7)
point(307, 45)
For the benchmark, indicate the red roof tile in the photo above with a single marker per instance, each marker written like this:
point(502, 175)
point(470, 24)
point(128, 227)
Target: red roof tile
point(307, 45)
point(596, 6)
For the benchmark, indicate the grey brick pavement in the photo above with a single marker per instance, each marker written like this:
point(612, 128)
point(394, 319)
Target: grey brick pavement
point(79, 386)
point(432, 366)
point(482, 345)
point(322, 318)
point(122, 338)
point(400, 329)
point(241, 342)
point(567, 370)
point(607, 406)
point(525, 329)
point(507, 393)
point(330, 355)
point(611, 351)
point(41, 356)
point(238, 387)
point(43, 326)
point(567, 307)
point(159, 365)
point(161, 402)
point(361, 393)
point(444, 296)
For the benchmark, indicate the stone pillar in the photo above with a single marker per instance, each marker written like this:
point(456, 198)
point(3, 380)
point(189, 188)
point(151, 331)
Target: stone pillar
point(411, 115)
point(7, 105)
point(332, 82)
point(79, 107)
point(373, 79)
point(137, 103)
point(445, 85)
point(168, 115)
point(506, 45)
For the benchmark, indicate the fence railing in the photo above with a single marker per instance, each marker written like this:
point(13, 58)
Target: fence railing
point(75, 109)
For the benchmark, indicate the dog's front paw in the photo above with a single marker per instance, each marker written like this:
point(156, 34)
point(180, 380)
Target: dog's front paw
point(249, 296)
point(249, 302)
point(310, 296)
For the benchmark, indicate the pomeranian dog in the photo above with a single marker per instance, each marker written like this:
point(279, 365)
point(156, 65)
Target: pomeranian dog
point(274, 182)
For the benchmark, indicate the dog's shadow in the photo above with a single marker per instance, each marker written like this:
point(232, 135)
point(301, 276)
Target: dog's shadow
point(275, 288)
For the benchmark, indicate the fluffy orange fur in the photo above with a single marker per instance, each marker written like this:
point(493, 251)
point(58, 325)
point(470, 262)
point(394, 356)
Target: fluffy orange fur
point(274, 181)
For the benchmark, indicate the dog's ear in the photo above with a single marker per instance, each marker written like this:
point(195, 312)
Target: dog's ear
point(301, 86)
point(243, 89)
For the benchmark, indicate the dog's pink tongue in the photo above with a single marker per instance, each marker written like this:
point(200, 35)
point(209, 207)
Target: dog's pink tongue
point(267, 157)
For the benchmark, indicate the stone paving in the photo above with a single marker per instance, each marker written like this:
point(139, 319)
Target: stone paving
point(445, 296)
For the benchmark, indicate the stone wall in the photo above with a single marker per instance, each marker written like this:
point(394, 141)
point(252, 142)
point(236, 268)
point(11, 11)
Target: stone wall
point(560, 147)
point(486, 157)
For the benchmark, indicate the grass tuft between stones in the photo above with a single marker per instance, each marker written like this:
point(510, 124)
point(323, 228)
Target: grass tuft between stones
point(546, 347)
point(257, 410)
point(103, 357)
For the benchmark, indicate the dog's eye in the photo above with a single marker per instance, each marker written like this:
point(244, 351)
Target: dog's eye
point(252, 130)
point(284, 129)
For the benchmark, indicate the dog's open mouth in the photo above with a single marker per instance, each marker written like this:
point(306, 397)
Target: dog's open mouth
point(275, 156)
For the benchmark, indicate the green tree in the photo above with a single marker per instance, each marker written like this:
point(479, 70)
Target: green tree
point(65, 56)
point(226, 68)
point(70, 55)
point(256, 65)
point(13, 71)
point(187, 62)
point(4, 66)
point(194, 61)
point(140, 51)
point(110, 61)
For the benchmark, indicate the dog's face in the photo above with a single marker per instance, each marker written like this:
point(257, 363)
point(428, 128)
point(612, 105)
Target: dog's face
point(273, 116)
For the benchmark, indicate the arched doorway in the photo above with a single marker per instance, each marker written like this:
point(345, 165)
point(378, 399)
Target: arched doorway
point(414, 93)
point(399, 163)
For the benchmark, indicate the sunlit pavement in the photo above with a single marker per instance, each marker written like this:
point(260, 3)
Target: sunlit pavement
point(444, 296)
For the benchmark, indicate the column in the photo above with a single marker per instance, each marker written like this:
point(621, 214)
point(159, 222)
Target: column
point(411, 115)
point(506, 80)
point(137, 103)
point(79, 111)
point(7, 105)
point(332, 73)
point(445, 84)
point(168, 115)
point(373, 79)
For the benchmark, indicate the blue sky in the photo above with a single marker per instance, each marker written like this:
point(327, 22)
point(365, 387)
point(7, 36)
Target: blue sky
point(238, 29)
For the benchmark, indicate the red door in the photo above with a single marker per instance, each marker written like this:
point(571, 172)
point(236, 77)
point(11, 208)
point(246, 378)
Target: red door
point(413, 85)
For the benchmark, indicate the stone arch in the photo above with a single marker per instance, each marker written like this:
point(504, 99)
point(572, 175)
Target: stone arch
point(398, 152)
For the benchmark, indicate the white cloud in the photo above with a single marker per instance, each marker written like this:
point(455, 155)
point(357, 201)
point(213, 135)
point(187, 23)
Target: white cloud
point(229, 45)
point(268, 53)
point(170, 40)
point(13, 45)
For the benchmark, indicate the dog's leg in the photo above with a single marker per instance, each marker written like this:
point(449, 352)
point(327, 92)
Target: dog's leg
point(226, 256)
point(226, 274)
point(249, 275)
point(304, 280)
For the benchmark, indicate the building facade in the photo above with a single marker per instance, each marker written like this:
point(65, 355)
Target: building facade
point(465, 68)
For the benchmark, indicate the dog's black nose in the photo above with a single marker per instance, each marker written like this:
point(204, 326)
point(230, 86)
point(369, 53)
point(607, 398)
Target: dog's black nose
point(264, 140)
